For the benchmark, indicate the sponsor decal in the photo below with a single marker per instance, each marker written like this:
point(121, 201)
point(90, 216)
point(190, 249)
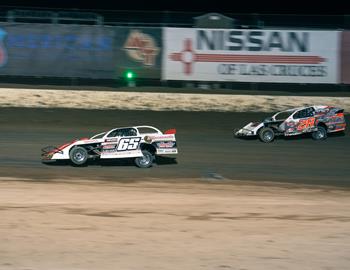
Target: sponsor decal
point(112, 140)
point(165, 144)
point(3, 51)
point(166, 151)
point(141, 48)
point(256, 41)
point(113, 153)
point(162, 137)
point(290, 124)
point(147, 139)
point(108, 146)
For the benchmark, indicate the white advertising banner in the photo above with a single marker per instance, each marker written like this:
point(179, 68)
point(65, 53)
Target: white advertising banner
point(281, 56)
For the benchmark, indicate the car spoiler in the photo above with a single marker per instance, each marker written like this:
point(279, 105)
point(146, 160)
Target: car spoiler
point(170, 131)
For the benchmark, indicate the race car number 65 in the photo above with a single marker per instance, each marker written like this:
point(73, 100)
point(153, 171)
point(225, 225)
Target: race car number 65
point(128, 144)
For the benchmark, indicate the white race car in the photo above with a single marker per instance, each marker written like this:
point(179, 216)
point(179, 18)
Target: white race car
point(142, 143)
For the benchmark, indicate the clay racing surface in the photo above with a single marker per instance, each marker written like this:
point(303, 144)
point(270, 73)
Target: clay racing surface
point(172, 225)
point(206, 145)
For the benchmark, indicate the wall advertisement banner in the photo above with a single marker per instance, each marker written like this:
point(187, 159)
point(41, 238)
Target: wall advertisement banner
point(274, 56)
point(139, 51)
point(345, 57)
point(82, 51)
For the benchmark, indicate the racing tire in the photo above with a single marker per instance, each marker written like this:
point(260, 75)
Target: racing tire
point(78, 156)
point(146, 160)
point(319, 134)
point(266, 135)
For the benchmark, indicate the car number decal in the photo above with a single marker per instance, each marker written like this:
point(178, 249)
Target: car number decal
point(126, 144)
point(306, 123)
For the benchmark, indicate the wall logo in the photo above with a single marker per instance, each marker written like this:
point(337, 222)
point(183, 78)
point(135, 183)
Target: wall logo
point(188, 57)
point(3, 52)
point(141, 47)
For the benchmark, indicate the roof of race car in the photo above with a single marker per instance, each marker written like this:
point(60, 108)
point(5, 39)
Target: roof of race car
point(303, 107)
point(137, 127)
point(132, 127)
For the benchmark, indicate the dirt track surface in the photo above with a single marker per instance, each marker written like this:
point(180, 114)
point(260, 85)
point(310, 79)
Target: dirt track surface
point(183, 213)
point(207, 149)
point(82, 225)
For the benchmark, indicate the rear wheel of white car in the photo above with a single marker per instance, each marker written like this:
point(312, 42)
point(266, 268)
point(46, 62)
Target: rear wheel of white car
point(145, 161)
point(319, 134)
point(266, 134)
point(78, 155)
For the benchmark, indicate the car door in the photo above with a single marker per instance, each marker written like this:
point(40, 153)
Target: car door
point(121, 143)
point(301, 121)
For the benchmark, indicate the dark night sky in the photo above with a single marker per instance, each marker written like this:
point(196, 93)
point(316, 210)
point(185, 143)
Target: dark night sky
point(227, 6)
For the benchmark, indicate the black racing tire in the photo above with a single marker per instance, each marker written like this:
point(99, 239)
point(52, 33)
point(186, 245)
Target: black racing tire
point(146, 160)
point(266, 134)
point(78, 156)
point(319, 134)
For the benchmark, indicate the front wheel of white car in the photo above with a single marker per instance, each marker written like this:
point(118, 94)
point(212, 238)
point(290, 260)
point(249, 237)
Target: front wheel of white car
point(145, 161)
point(266, 134)
point(78, 155)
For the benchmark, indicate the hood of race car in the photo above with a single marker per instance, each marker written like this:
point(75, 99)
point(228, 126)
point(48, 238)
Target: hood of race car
point(250, 129)
point(252, 125)
point(61, 147)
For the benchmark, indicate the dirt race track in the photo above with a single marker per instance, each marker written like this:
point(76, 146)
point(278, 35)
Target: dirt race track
point(223, 203)
point(206, 145)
